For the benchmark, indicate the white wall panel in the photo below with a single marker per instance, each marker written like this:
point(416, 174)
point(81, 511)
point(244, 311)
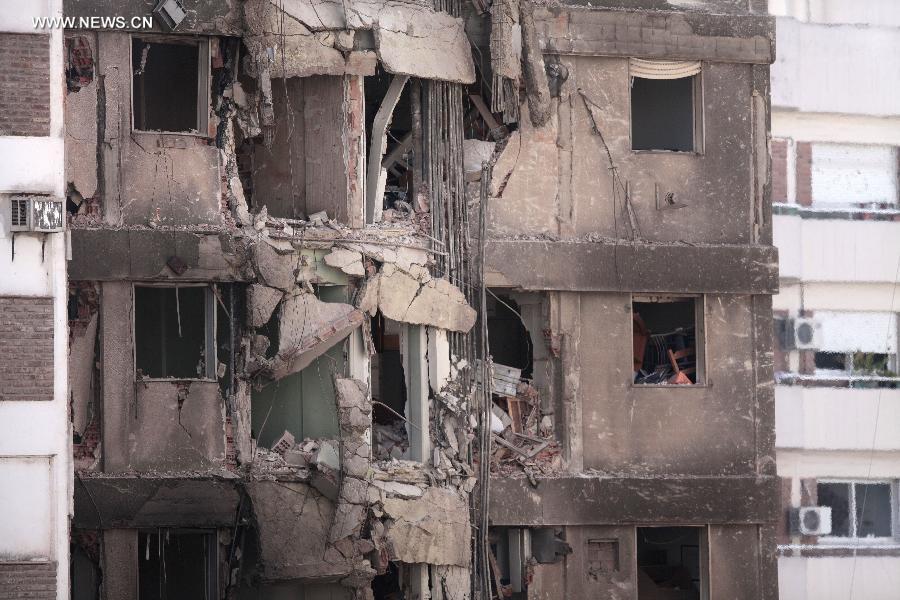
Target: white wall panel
point(858, 331)
point(26, 501)
point(853, 174)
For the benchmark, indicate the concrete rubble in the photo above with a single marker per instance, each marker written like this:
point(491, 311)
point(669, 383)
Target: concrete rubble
point(357, 392)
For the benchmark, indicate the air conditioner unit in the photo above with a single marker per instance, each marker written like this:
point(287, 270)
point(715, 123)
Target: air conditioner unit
point(36, 213)
point(170, 12)
point(807, 334)
point(811, 520)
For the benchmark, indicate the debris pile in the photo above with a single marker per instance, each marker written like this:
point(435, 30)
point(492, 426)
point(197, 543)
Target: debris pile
point(522, 438)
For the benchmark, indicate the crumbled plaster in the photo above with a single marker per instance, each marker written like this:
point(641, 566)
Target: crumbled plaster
point(348, 261)
point(432, 529)
point(419, 301)
point(308, 328)
point(261, 302)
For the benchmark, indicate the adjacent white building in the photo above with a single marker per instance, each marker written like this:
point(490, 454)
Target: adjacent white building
point(35, 437)
point(836, 133)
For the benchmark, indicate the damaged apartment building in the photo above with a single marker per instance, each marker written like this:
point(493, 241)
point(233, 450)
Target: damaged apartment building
point(413, 299)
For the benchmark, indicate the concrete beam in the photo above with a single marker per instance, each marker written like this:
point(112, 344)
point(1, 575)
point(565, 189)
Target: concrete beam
point(132, 502)
point(605, 266)
point(657, 34)
point(663, 500)
point(111, 255)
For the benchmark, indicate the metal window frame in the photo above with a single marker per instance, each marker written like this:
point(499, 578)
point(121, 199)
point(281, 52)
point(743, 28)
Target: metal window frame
point(705, 558)
point(854, 539)
point(697, 98)
point(211, 557)
point(210, 318)
point(699, 336)
point(203, 80)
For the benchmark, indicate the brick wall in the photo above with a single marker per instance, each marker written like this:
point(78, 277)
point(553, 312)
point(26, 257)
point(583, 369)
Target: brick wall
point(24, 84)
point(804, 173)
point(26, 348)
point(779, 171)
point(35, 581)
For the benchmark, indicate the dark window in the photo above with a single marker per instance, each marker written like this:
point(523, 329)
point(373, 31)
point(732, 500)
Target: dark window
point(837, 496)
point(663, 114)
point(171, 332)
point(167, 86)
point(669, 563)
point(667, 348)
point(873, 509)
point(830, 360)
point(177, 565)
point(858, 510)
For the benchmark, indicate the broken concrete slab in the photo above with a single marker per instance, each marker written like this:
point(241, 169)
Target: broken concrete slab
point(293, 521)
point(308, 328)
point(298, 51)
point(273, 269)
point(437, 303)
point(433, 529)
point(413, 42)
point(348, 261)
point(261, 302)
point(399, 489)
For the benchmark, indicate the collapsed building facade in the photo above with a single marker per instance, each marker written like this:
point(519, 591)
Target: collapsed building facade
point(421, 300)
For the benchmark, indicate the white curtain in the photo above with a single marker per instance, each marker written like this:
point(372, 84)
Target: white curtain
point(663, 69)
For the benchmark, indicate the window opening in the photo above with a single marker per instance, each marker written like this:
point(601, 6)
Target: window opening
point(858, 509)
point(667, 340)
point(664, 115)
point(302, 404)
point(174, 332)
point(398, 159)
point(671, 563)
point(177, 565)
point(388, 390)
point(169, 85)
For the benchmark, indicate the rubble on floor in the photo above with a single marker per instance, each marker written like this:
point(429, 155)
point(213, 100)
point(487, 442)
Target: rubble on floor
point(522, 438)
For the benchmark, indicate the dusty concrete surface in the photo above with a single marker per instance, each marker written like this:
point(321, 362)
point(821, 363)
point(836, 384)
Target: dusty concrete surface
point(323, 287)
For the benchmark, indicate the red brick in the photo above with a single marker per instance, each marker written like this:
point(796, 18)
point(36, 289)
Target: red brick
point(26, 348)
point(25, 78)
point(804, 174)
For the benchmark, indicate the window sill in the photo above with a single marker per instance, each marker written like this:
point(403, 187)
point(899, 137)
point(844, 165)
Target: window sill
point(669, 386)
point(832, 542)
point(193, 134)
point(669, 152)
point(173, 380)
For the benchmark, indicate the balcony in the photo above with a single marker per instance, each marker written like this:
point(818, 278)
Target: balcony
point(837, 418)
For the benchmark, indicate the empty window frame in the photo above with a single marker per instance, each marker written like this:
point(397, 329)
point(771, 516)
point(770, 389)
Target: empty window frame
point(666, 106)
point(866, 364)
point(862, 510)
point(177, 564)
point(668, 340)
point(673, 562)
point(170, 84)
point(399, 376)
point(174, 332)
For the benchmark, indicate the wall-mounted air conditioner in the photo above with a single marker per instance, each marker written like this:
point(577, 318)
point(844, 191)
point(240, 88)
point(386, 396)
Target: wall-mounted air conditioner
point(811, 520)
point(807, 334)
point(36, 213)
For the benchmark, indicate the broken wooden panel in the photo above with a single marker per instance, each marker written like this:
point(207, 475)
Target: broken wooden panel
point(325, 117)
point(279, 170)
